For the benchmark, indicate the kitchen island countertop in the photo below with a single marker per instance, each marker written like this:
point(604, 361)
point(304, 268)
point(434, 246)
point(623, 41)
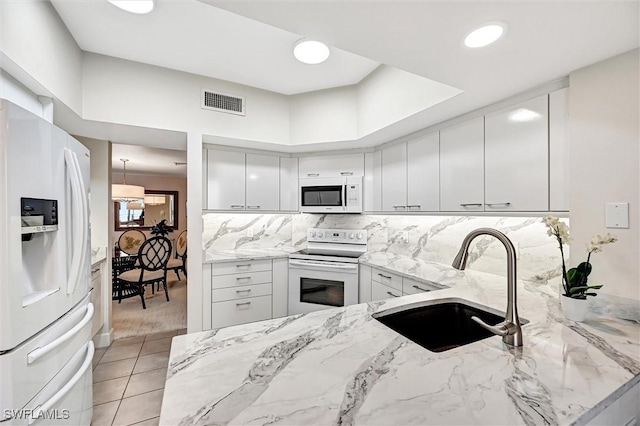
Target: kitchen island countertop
point(341, 366)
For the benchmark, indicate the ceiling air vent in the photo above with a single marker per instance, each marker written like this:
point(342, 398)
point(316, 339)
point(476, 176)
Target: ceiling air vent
point(222, 102)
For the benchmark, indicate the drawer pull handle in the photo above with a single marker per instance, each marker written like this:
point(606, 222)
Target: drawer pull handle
point(243, 278)
point(415, 206)
point(313, 174)
point(243, 303)
point(420, 288)
point(399, 207)
point(470, 204)
point(236, 206)
point(248, 265)
point(346, 173)
point(391, 294)
point(253, 207)
point(385, 276)
point(95, 270)
point(243, 291)
point(498, 204)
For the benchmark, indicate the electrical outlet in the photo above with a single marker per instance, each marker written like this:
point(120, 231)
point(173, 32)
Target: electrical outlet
point(250, 232)
point(405, 236)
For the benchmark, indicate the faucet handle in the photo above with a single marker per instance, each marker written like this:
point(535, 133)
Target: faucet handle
point(499, 329)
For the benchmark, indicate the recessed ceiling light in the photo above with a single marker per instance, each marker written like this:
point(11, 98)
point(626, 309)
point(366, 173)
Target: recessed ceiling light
point(310, 51)
point(139, 7)
point(485, 35)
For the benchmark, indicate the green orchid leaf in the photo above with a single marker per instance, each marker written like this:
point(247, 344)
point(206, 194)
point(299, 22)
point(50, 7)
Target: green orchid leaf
point(572, 275)
point(582, 289)
point(584, 268)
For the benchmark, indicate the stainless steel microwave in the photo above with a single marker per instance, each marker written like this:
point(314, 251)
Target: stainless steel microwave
point(331, 194)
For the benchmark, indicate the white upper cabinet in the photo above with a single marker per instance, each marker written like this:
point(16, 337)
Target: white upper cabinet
point(559, 150)
point(332, 165)
point(517, 157)
point(423, 173)
point(462, 167)
point(263, 182)
point(288, 184)
point(372, 182)
point(394, 178)
point(226, 180)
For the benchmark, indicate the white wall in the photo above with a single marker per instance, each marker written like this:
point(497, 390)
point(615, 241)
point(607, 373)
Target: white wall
point(388, 95)
point(324, 116)
point(14, 91)
point(35, 38)
point(604, 148)
point(126, 92)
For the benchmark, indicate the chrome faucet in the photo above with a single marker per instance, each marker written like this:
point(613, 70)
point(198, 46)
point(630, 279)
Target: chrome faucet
point(510, 328)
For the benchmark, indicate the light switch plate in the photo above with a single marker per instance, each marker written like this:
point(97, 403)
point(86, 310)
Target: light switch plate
point(617, 215)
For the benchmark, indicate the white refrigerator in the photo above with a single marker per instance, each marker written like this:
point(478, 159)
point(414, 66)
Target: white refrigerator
point(45, 315)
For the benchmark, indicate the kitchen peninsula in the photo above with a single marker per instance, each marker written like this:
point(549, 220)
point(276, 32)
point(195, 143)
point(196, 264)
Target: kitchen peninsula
point(341, 366)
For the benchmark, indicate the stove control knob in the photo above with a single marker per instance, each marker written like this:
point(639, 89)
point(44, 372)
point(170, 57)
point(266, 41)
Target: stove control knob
point(352, 235)
point(320, 234)
point(359, 235)
point(313, 233)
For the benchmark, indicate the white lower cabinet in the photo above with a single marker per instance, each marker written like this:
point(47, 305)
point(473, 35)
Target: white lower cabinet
point(379, 284)
point(380, 291)
point(240, 311)
point(410, 286)
point(625, 411)
point(96, 298)
point(238, 292)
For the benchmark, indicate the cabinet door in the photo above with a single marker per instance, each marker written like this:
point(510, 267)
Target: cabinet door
point(559, 150)
point(462, 167)
point(263, 182)
point(372, 190)
point(517, 157)
point(394, 178)
point(381, 291)
point(364, 287)
point(226, 180)
point(332, 165)
point(288, 184)
point(280, 287)
point(423, 173)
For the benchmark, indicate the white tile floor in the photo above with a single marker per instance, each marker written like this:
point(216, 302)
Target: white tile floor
point(128, 380)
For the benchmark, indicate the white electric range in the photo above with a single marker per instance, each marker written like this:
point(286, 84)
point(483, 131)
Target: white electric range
point(325, 274)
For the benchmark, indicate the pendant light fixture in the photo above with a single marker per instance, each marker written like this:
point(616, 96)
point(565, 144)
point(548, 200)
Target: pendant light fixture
point(124, 192)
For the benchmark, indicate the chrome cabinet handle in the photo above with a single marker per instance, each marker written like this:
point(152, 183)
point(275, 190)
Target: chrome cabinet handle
point(497, 204)
point(244, 266)
point(399, 207)
point(385, 276)
point(421, 289)
point(253, 207)
point(243, 303)
point(417, 206)
point(243, 291)
point(346, 173)
point(470, 204)
point(313, 174)
point(243, 278)
point(391, 294)
point(236, 206)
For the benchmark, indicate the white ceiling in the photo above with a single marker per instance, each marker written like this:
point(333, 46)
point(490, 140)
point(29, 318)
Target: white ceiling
point(191, 36)
point(146, 160)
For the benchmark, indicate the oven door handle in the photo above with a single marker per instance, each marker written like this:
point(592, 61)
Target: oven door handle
point(301, 264)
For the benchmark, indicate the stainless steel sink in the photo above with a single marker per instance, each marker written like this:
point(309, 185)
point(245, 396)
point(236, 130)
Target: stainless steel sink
point(441, 325)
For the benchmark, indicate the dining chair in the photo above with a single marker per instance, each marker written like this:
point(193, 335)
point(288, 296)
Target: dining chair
point(153, 256)
point(179, 263)
point(131, 240)
point(119, 289)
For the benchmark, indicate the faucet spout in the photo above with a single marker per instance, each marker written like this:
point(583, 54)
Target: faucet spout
point(510, 329)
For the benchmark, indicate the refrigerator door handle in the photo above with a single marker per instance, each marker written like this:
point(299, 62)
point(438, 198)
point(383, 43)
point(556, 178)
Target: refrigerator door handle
point(79, 209)
point(68, 386)
point(38, 353)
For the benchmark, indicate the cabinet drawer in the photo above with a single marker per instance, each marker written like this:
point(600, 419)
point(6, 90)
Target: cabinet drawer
point(236, 280)
point(241, 267)
point(234, 312)
point(410, 286)
point(381, 291)
point(233, 293)
point(387, 278)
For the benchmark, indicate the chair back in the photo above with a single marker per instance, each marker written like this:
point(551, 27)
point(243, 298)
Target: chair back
point(154, 253)
point(130, 241)
point(181, 244)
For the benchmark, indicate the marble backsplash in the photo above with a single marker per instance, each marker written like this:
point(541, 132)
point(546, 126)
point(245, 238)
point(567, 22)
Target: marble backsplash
point(432, 238)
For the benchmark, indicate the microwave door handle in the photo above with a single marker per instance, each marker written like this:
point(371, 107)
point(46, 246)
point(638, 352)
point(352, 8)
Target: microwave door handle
point(344, 197)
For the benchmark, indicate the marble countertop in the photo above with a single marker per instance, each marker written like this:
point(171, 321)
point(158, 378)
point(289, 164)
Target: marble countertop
point(98, 254)
point(340, 366)
point(213, 256)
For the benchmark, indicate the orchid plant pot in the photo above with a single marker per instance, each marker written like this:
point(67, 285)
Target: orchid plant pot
point(574, 309)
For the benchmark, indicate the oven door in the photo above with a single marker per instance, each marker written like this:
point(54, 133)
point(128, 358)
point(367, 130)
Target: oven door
point(316, 285)
point(323, 195)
